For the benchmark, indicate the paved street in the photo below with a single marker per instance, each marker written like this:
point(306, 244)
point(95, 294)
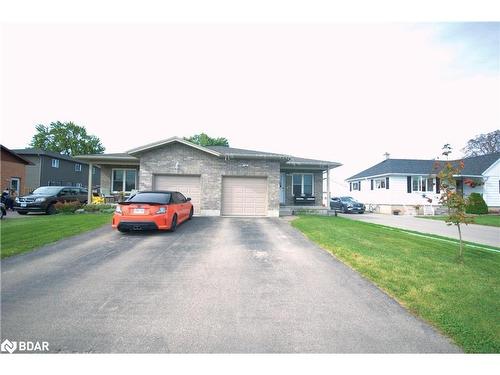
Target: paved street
point(480, 234)
point(220, 285)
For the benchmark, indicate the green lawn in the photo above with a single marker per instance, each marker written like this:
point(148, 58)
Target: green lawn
point(490, 220)
point(25, 234)
point(461, 300)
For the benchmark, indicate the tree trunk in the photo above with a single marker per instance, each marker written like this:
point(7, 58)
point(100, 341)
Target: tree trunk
point(461, 253)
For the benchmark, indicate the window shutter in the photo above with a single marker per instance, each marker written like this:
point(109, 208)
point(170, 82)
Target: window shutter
point(438, 185)
point(359, 186)
point(350, 186)
point(371, 184)
point(408, 184)
point(387, 182)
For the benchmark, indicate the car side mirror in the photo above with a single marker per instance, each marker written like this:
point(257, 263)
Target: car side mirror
point(188, 199)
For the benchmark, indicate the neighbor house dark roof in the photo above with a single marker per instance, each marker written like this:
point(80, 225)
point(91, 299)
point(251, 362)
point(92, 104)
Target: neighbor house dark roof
point(16, 155)
point(38, 152)
point(473, 166)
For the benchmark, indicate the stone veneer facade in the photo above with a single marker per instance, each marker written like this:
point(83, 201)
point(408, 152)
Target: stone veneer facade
point(179, 159)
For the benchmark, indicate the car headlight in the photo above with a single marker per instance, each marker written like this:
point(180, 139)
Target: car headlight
point(118, 209)
point(40, 200)
point(17, 199)
point(161, 210)
point(349, 206)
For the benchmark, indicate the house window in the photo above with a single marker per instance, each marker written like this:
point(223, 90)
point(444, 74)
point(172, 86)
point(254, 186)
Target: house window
point(355, 185)
point(303, 184)
point(78, 167)
point(93, 170)
point(422, 183)
point(124, 179)
point(380, 183)
point(55, 163)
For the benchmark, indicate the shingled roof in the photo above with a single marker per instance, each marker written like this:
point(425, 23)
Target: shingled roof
point(38, 152)
point(289, 159)
point(473, 166)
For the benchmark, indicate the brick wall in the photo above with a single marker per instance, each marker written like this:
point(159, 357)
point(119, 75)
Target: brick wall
point(11, 167)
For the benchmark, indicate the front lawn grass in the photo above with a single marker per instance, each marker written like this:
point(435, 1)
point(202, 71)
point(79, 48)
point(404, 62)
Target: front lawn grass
point(490, 220)
point(461, 300)
point(28, 233)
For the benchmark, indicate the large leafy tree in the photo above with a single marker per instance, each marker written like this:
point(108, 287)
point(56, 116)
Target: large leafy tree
point(203, 139)
point(66, 138)
point(483, 144)
point(451, 198)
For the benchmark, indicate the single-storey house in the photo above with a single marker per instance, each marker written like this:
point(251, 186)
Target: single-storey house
point(53, 169)
point(13, 171)
point(410, 186)
point(219, 180)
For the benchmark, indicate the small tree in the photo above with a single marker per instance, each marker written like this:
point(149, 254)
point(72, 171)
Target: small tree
point(451, 198)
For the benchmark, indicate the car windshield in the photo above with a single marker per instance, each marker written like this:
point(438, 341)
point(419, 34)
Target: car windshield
point(154, 198)
point(348, 200)
point(47, 190)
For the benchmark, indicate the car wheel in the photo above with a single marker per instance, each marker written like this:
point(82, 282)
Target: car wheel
point(51, 210)
point(191, 214)
point(173, 226)
point(22, 212)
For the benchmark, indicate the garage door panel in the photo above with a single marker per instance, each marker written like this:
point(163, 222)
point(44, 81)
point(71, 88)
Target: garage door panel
point(190, 186)
point(244, 196)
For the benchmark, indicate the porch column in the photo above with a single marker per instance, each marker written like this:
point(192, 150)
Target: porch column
point(89, 187)
point(328, 187)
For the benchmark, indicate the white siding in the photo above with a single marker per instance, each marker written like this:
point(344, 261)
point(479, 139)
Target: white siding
point(395, 195)
point(491, 189)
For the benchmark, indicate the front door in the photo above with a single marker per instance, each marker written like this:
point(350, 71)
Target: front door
point(14, 184)
point(282, 188)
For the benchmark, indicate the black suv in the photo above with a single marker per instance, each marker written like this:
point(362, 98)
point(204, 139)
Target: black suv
point(44, 198)
point(347, 205)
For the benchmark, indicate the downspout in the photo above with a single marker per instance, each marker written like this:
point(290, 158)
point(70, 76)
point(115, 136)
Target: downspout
point(89, 188)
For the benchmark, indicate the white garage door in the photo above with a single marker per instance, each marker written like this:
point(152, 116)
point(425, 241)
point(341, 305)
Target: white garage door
point(188, 185)
point(244, 196)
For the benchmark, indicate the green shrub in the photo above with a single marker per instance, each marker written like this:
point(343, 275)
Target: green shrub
point(67, 207)
point(476, 204)
point(99, 208)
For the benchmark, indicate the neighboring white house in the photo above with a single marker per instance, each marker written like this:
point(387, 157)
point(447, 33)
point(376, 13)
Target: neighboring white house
point(411, 186)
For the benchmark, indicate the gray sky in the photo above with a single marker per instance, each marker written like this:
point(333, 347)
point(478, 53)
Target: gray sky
point(345, 93)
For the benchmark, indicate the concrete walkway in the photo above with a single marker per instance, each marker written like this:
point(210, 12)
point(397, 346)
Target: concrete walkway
point(480, 234)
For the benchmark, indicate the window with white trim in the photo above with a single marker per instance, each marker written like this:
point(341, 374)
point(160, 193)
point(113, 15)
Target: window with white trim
point(78, 167)
point(355, 185)
point(55, 163)
point(303, 184)
point(123, 180)
point(379, 183)
point(422, 183)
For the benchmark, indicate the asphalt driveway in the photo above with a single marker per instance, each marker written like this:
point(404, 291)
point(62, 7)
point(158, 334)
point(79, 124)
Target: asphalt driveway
point(216, 285)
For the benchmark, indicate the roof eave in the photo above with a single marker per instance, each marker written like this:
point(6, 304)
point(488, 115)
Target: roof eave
point(151, 146)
